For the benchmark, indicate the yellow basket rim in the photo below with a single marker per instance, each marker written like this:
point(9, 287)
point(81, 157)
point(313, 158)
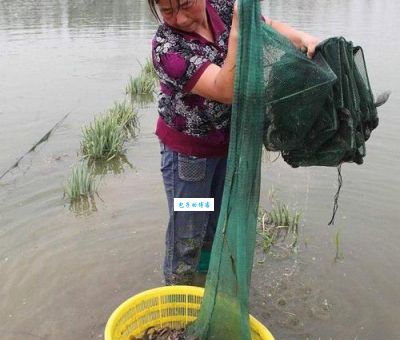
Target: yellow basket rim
point(167, 290)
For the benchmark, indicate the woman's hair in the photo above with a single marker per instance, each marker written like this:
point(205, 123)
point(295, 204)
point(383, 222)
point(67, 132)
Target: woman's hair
point(152, 5)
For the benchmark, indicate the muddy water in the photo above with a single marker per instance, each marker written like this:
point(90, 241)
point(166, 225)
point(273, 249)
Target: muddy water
point(62, 273)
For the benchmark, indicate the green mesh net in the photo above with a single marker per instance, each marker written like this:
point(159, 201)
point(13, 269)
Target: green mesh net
point(315, 112)
point(328, 124)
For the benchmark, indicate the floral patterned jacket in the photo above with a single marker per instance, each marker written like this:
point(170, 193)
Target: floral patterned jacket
point(188, 123)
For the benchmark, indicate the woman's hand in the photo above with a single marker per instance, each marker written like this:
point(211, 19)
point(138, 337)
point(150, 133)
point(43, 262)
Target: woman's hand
point(235, 25)
point(301, 40)
point(309, 43)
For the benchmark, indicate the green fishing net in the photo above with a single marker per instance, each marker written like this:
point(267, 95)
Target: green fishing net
point(315, 112)
point(328, 124)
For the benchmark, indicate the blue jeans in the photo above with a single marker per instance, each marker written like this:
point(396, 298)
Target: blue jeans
point(189, 231)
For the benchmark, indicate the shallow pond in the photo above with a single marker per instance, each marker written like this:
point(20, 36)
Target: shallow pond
point(63, 273)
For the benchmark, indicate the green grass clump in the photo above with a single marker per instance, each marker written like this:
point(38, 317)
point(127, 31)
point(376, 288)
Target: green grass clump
point(103, 139)
point(126, 116)
point(142, 85)
point(278, 225)
point(81, 183)
point(148, 69)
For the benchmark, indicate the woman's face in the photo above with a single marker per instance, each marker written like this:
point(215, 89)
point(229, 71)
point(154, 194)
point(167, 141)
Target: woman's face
point(185, 15)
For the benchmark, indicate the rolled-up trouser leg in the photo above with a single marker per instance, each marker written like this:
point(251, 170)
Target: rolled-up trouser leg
point(188, 177)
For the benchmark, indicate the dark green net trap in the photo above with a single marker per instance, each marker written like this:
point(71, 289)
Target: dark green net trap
point(315, 112)
point(324, 123)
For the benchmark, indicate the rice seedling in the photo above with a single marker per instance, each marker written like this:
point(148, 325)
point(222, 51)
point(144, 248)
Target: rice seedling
point(82, 183)
point(148, 68)
point(103, 139)
point(116, 166)
point(83, 206)
point(142, 85)
point(126, 116)
point(339, 254)
point(278, 225)
point(143, 99)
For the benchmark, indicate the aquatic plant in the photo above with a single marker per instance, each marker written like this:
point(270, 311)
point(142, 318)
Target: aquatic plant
point(148, 69)
point(103, 138)
point(142, 85)
point(82, 183)
point(126, 116)
point(339, 254)
point(143, 100)
point(83, 206)
point(277, 225)
point(115, 166)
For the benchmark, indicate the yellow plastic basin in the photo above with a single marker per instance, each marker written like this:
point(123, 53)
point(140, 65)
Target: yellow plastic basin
point(173, 306)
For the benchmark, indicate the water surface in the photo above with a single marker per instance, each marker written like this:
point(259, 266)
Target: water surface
point(62, 274)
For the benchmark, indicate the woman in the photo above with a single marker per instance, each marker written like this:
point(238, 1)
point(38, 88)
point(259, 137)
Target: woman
point(194, 52)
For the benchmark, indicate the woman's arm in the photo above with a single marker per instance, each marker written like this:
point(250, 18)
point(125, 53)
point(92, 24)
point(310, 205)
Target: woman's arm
point(217, 83)
point(299, 39)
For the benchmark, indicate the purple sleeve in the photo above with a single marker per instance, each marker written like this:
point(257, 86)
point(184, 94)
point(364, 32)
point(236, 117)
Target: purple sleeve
point(177, 66)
